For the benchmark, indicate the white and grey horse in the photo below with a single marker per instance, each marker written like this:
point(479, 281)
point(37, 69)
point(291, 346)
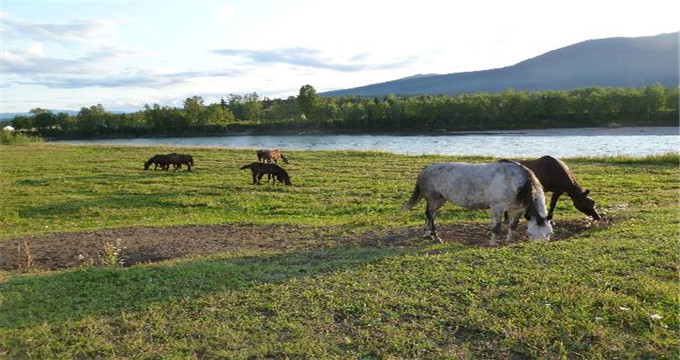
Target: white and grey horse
point(500, 186)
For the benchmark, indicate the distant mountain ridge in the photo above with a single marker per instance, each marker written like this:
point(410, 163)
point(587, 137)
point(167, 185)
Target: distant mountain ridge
point(611, 62)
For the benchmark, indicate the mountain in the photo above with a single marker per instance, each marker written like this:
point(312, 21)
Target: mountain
point(612, 62)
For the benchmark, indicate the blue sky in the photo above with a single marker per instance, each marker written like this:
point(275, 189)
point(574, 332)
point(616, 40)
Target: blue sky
point(124, 54)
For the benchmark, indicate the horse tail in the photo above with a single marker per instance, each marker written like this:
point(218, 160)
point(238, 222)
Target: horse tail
point(246, 166)
point(415, 196)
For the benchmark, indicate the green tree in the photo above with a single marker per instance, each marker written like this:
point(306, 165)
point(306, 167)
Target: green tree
point(193, 107)
point(22, 122)
point(43, 119)
point(92, 120)
point(655, 99)
point(307, 100)
point(252, 106)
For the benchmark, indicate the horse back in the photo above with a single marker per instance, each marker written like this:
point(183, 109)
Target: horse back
point(473, 185)
point(553, 174)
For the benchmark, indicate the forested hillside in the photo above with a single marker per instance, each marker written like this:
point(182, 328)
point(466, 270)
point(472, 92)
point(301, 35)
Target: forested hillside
point(650, 105)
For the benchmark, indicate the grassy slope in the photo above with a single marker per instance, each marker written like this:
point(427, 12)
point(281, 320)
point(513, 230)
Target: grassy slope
point(591, 296)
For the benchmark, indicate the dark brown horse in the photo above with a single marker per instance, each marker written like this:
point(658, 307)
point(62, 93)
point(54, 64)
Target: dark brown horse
point(261, 169)
point(556, 177)
point(164, 161)
point(157, 160)
point(271, 155)
point(177, 160)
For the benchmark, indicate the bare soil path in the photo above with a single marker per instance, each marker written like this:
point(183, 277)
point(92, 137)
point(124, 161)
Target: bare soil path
point(152, 244)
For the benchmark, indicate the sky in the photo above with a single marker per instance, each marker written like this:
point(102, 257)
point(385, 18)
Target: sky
point(65, 55)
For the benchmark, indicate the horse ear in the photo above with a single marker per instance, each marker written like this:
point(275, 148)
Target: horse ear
point(585, 193)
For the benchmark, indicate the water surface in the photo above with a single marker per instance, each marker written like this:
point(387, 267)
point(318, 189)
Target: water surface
point(637, 141)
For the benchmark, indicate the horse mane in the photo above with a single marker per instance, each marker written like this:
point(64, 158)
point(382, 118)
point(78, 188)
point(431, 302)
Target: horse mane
point(526, 194)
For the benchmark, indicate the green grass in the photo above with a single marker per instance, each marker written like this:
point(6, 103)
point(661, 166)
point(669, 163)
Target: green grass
point(596, 295)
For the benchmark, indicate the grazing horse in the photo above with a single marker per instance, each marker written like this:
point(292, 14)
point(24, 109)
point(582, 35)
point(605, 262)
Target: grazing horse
point(501, 186)
point(261, 169)
point(555, 177)
point(177, 160)
point(271, 155)
point(157, 160)
point(164, 161)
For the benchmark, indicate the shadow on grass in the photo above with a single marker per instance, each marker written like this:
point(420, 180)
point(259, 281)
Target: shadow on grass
point(133, 200)
point(95, 291)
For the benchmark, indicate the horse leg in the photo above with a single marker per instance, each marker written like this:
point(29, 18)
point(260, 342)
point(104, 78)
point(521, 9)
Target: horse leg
point(553, 202)
point(496, 222)
point(514, 221)
point(430, 212)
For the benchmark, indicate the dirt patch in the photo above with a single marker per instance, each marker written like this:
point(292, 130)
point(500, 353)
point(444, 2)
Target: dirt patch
point(151, 244)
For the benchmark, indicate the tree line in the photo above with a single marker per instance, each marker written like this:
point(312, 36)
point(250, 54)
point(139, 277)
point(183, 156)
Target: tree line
point(594, 106)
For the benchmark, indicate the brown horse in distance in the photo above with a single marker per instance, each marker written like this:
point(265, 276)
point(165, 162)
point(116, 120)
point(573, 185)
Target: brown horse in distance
point(271, 155)
point(556, 177)
point(157, 160)
point(177, 160)
point(260, 169)
point(164, 161)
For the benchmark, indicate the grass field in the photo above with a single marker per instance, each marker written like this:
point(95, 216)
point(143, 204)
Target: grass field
point(609, 291)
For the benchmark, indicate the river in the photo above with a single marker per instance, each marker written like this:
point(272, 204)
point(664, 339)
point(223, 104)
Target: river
point(636, 141)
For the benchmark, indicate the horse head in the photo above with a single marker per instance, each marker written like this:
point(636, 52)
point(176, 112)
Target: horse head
point(539, 228)
point(284, 178)
point(585, 204)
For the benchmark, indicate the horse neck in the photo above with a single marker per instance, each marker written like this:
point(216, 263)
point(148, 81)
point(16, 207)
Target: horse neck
point(538, 201)
point(574, 189)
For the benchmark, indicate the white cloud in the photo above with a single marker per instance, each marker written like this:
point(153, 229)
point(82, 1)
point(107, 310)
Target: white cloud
point(90, 31)
point(35, 49)
point(225, 11)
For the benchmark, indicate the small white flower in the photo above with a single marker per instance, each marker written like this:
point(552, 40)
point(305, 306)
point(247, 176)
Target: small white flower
point(547, 305)
point(656, 317)
point(597, 318)
point(623, 308)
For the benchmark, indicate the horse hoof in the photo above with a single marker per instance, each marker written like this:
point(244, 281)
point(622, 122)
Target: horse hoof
point(436, 239)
